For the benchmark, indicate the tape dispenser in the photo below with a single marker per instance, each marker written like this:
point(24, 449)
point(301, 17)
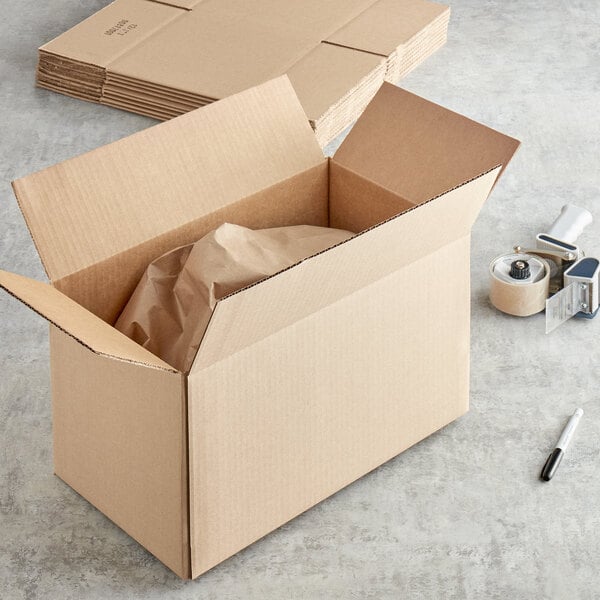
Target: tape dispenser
point(555, 276)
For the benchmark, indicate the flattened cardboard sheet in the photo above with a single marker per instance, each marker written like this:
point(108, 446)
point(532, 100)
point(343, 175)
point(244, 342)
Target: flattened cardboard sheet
point(388, 24)
point(225, 46)
point(92, 207)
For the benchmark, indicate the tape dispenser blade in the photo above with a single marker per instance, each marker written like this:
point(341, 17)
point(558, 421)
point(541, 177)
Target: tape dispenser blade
point(564, 305)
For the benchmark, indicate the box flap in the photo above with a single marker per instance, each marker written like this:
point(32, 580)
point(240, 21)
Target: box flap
point(76, 321)
point(255, 312)
point(418, 149)
point(92, 207)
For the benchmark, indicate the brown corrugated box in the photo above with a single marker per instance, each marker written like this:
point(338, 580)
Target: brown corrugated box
point(164, 59)
point(304, 381)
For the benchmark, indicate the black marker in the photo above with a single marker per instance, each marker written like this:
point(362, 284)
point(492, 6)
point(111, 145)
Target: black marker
point(561, 446)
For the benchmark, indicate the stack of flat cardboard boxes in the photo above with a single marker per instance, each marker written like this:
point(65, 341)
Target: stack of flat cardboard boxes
point(163, 59)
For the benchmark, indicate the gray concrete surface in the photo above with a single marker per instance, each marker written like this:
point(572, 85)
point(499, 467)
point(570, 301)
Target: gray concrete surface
point(460, 515)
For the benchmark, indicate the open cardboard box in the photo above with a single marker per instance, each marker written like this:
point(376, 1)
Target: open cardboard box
point(304, 381)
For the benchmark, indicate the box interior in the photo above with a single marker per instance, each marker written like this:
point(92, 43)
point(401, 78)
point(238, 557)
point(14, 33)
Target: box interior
point(304, 199)
point(298, 200)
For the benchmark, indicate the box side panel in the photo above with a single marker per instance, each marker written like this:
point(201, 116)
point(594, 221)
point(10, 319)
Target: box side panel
point(283, 424)
point(120, 441)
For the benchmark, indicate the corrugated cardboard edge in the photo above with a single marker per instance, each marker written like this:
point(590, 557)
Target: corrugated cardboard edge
point(37, 249)
point(186, 475)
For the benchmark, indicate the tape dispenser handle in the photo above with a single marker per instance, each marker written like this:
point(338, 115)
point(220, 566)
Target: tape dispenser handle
point(570, 223)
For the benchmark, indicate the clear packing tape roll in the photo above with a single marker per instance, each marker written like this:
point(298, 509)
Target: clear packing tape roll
point(520, 298)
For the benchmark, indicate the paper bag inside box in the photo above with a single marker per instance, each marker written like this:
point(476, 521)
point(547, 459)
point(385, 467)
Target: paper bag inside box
point(304, 381)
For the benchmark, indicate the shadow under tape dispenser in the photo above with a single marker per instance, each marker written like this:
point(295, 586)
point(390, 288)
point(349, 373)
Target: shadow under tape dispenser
point(555, 275)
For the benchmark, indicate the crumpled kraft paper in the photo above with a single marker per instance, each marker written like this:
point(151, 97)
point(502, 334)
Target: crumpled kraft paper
point(172, 304)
